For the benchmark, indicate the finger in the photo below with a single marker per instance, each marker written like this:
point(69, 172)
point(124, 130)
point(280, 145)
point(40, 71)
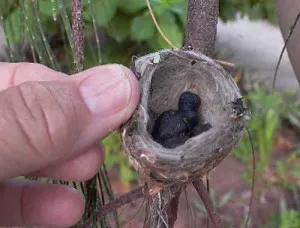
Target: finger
point(81, 168)
point(36, 204)
point(42, 123)
point(13, 74)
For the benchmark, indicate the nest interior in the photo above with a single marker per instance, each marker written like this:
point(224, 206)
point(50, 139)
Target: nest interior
point(163, 76)
point(177, 74)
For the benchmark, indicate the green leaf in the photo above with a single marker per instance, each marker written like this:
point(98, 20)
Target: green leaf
point(171, 31)
point(7, 7)
point(132, 6)
point(104, 11)
point(46, 6)
point(153, 44)
point(119, 28)
point(272, 123)
point(126, 173)
point(13, 27)
point(290, 219)
point(181, 10)
point(142, 27)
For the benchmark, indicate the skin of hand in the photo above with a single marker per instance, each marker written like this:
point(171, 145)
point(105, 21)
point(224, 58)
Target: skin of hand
point(287, 11)
point(50, 126)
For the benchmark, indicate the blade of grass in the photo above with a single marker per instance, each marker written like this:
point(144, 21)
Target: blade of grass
point(90, 2)
point(49, 52)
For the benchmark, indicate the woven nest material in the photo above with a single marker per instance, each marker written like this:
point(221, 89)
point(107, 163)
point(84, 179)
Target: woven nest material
point(163, 76)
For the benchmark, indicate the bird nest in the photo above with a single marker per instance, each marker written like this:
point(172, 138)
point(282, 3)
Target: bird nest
point(163, 77)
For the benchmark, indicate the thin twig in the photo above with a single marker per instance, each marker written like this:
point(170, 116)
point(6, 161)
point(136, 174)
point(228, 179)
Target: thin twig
point(284, 47)
point(253, 178)
point(66, 22)
point(121, 201)
point(173, 208)
point(158, 27)
point(136, 214)
point(77, 30)
point(224, 63)
point(207, 202)
point(208, 192)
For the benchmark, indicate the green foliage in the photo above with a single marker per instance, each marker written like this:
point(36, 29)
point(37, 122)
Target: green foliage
point(171, 30)
point(127, 24)
point(286, 218)
point(288, 170)
point(268, 113)
point(132, 6)
point(104, 11)
point(116, 157)
point(290, 219)
point(255, 9)
point(142, 27)
point(263, 125)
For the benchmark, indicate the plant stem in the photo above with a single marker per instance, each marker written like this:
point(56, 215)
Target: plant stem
point(51, 56)
point(9, 49)
point(161, 210)
point(32, 39)
point(202, 23)
point(96, 32)
point(66, 22)
point(201, 36)
point(77, 30)
point(121, 201)
point(202, 191)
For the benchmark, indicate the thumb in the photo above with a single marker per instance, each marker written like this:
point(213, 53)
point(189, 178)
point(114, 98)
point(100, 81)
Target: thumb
point(45, 122)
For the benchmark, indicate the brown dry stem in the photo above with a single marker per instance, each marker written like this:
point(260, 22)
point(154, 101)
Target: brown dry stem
point(77, 29)
point(202, 191)
point(121, 201)
point(161, 210)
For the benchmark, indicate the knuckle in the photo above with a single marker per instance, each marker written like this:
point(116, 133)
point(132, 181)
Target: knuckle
point(18, 70)
point(42, 119)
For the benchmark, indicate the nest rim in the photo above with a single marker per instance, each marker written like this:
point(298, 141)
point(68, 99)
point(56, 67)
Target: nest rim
point(163, 165)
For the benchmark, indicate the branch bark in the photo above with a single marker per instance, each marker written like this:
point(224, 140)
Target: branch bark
point(201, 36)
point(161, 210)
point(121, 201)
point(202, 191)
point(202, 23)
point(77, 29)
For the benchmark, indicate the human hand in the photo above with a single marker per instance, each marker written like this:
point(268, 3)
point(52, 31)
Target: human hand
point(50, 126)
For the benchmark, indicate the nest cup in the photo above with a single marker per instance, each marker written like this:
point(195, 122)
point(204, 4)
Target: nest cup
point(163, 76)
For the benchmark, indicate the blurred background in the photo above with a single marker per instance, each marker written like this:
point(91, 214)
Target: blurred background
point(248, 36)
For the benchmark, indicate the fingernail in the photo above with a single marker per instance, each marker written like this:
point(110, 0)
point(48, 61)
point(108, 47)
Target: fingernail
point(106, 92)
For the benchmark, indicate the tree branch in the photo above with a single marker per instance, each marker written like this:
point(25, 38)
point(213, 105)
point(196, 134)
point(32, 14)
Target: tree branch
point(161, 210)
point(201, 36)
point(173, 208)
point(121, 201)
point(202, 23)
point(77, 29)
point(202, 191)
